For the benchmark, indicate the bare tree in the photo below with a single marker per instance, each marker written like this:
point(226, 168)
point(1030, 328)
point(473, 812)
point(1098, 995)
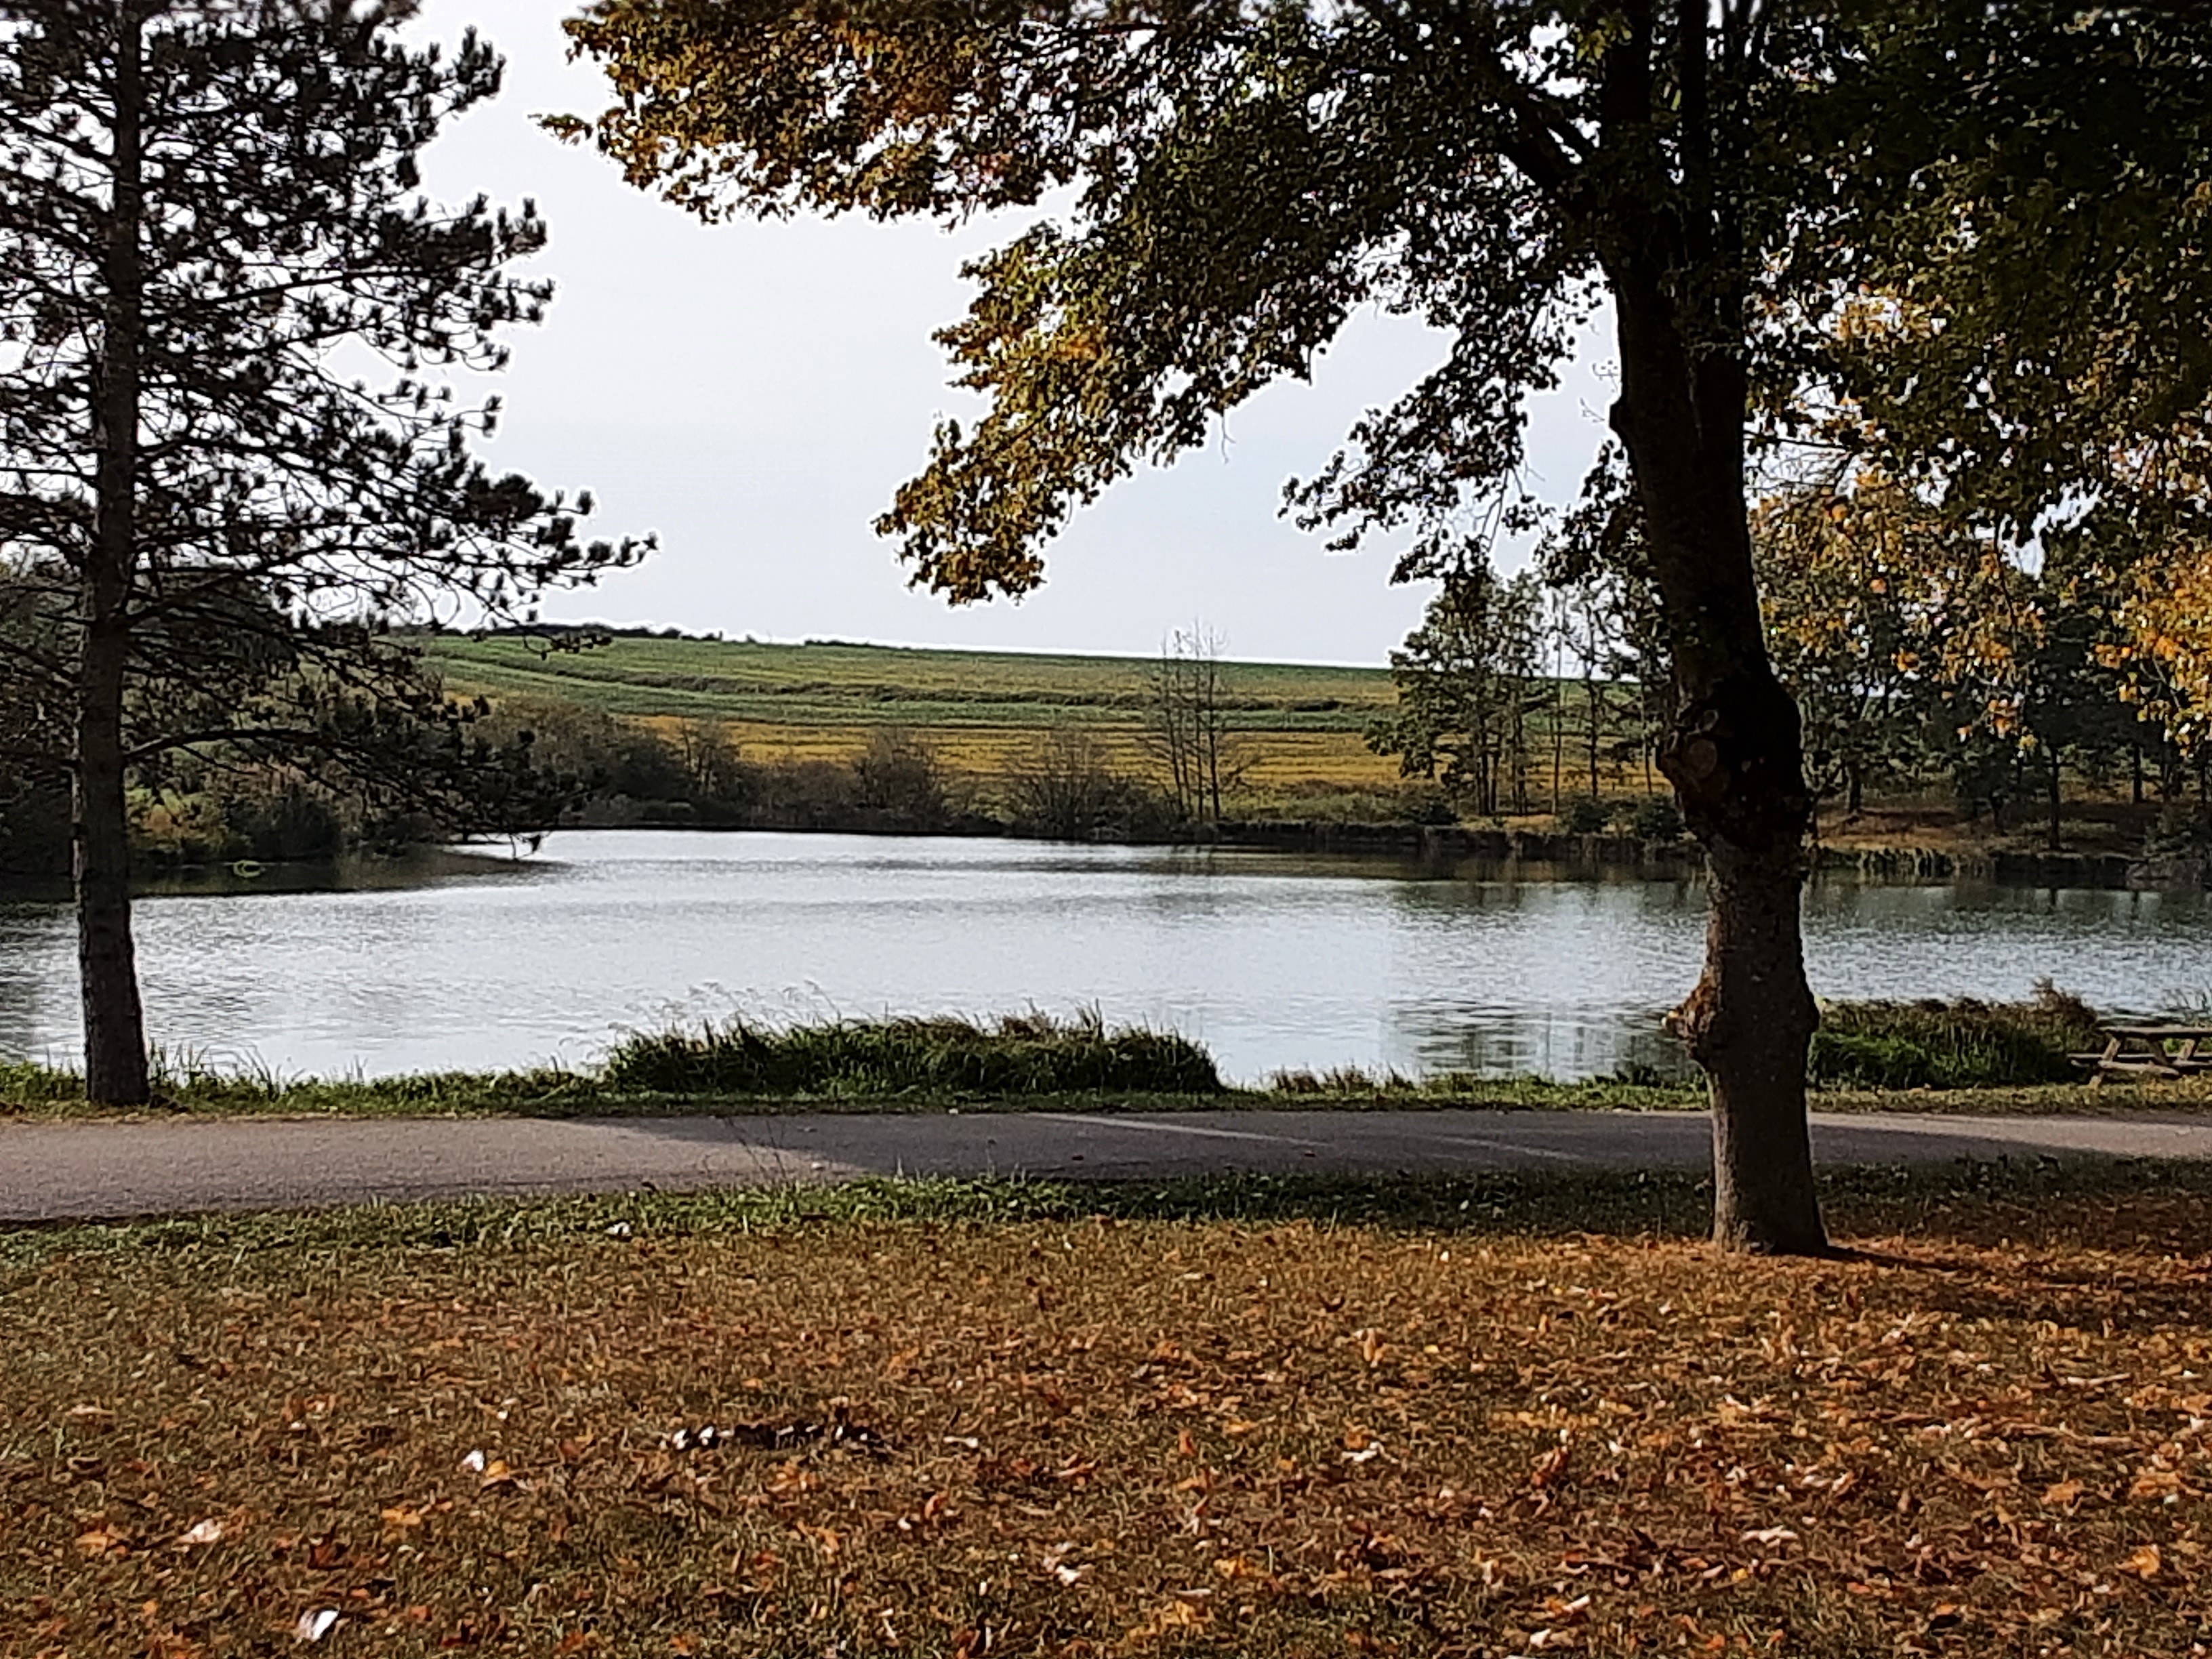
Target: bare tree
point(1187, 733)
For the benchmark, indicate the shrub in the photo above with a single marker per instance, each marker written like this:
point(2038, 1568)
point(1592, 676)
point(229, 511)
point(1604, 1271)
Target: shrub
point(1068, 789)
point(1585, 815)
point(899, 777)
point(1018, 1054)
point(1656, 818)
point(1966, 1044)
point(1424, 803)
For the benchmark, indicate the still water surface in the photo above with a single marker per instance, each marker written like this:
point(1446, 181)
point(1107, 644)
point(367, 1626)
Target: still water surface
point(1271, 960)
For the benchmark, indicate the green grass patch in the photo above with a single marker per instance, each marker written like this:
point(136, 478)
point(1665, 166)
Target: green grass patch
point(1860, 1200)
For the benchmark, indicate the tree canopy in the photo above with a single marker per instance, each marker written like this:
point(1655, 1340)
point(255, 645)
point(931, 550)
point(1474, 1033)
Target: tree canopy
point(1225, 182)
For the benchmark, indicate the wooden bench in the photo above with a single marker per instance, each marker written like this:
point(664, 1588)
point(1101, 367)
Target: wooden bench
point(2140, 1051)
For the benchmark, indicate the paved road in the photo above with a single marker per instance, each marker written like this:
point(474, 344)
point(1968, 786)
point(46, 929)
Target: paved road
point(53, 1171)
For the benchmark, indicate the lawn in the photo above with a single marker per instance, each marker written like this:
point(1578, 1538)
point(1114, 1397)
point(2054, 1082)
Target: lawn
point(1498, 1417)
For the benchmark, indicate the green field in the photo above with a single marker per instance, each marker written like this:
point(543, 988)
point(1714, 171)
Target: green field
point(868, 685)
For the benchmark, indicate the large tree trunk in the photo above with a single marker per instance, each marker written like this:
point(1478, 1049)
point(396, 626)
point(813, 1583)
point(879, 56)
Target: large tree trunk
point(115, 1070)
point(1734, 753)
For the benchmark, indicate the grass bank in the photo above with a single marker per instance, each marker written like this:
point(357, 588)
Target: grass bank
point(1512, 1416)
point(1967, 1058)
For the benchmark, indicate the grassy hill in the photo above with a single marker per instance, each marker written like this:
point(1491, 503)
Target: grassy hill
point(864, 685)
point(980, 709)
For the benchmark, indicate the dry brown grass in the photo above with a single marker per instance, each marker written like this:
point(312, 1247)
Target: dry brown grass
point(1120, 1437)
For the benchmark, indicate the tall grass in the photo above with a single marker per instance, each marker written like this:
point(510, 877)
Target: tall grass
point(1962, 1044)
point(1017, 1055)
point(25, 1082)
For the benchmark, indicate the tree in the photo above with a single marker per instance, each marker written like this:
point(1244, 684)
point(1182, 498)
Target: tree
point(1065, 786)
point(1186, 732)
point(1244, 176)
point(2066, 418)
point(1595, 559)
point(1467, 681)
point(2027, 270)
point(1853, 587)
point(714, 772)
point(210, 236)
point(900, 780)
point(1905, 632)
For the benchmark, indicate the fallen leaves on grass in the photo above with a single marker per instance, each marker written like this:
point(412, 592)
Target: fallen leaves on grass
point(1086, 1439)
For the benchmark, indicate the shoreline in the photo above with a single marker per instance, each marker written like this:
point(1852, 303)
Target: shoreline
point(1430, 846)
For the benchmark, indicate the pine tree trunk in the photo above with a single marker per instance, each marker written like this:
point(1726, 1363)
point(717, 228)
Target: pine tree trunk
point(1733, 750)
point(115, 1072)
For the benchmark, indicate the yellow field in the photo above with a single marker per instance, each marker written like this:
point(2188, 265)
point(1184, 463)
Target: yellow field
point(1277, 760)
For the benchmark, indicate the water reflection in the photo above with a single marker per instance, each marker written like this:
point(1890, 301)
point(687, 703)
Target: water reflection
point(1272, 959)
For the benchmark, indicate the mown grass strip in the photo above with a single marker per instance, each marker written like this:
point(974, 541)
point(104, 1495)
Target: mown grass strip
point(1669, 1204)
point(35, 1094)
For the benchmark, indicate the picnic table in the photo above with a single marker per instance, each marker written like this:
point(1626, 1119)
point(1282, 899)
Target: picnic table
point(2141, 1051)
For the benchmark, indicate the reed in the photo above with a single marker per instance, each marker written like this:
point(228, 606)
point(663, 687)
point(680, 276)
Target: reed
point(1960, 1044)
point(1017, 1055)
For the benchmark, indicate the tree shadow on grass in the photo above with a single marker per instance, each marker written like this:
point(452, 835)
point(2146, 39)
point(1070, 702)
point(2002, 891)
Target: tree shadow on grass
point(1897, 1218)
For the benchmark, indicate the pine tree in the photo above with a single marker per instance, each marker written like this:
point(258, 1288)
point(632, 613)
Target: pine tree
point(230, 443)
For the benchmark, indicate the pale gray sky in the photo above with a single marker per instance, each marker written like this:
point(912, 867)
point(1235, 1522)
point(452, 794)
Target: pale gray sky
point(755, 392)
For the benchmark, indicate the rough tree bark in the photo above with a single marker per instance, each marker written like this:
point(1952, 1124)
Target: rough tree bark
point(114, 1021)
point(1734, 753)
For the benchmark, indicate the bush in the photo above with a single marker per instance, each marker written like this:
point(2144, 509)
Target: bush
point(1423, 803)
point(1966, 1044)
point(1656, 818)
point(899, 778)
point(1066, 788)
point(1019, 1054)
point(1585, 815)
point(280, 823)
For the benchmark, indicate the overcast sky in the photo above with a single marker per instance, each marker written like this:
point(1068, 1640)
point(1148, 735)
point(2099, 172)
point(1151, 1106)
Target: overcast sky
point(756, 392)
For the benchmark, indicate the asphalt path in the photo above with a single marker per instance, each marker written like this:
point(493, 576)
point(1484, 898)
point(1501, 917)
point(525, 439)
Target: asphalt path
point(85, 1171)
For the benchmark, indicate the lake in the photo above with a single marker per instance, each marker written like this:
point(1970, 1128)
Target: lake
point(1272, 959)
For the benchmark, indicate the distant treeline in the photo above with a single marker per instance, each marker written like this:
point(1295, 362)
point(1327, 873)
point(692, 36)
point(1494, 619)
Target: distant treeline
point(265, 814)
